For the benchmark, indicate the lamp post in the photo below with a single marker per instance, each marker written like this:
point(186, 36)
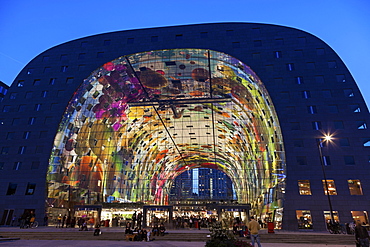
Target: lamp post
point(327, 138)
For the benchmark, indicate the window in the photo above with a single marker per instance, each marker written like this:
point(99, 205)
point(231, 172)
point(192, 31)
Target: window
point(35, 165)
point(31, 121)
point(43, 134)
point(311, 109)
point(22, 150)
point(304, 219)
point(204, 35)
point(63, 57)
point(11, 189)
point(320, 51)
point(316, 125)
point(81, 56)
point(30, 188)
point(332, 64)
point(52, 81)
point(326, 160)
point(306, 94)
point(348, 93)
point(257, 43)
point(47, 70)
point(236, 44)
point(28, 95)
point(20, 83)
point(48, 120)
point(130, 40)
point(290, 66)
point(154, 39)
point(310, 65)
point(338, 125)
point(63, 68)
point(1, 166)
point(81, 67)
point(299, 80)
point(326, 93)
point(60, 93)
point(15, 121)
point(343, 142)
point(319, 79)
point(331, 187)
point(26, 135)
point(279, 41)
point(36, 82)
point(30, 71)
point(107, 42)
point(17, 165)
point(10, 135)
point(45, 58)
point(301, 160)
point(355, 187)
point(349, 160)
point(39, 149)
point(178, 37)
point(361, 125)
point(6, 108)
point(304, 187)
point(69, 80)
point(341, 78)
point(302, 40)
point(4, 150)
point(333, 109)
point(295, 126)
point(100, 54)
point(13, 96)
point(298, 53)
point(37, 107)
point(21, 108)
point(355, 108)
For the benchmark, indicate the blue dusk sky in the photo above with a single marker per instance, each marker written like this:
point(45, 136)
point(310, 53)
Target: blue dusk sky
point(29, 27)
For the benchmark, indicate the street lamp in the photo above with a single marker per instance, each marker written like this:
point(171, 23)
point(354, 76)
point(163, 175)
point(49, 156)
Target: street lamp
point(327, 138)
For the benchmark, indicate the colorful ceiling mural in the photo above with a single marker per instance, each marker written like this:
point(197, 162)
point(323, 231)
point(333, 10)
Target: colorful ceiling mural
point(141, 120)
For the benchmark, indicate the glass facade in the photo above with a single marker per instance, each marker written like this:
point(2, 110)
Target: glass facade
point(138, 122)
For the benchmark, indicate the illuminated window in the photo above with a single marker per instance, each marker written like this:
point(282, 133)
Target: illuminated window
point(26, 135)
point(290, 66)
point(52, 81)
point(331, 187)
point(360, 216)
point(31, 121)
point(327, 216)
point(22, 150)
point(37, 107)
point(306, 94)
point(355, 108)
point(311, 109)
point(63, 68)
point(304, 219)
point(299, 80)
point(355, 187)
point(30, 188)
point(44, 94)
point(304, 187)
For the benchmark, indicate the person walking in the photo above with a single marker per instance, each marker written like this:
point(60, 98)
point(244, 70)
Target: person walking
point(361, 235)
point(254, 227)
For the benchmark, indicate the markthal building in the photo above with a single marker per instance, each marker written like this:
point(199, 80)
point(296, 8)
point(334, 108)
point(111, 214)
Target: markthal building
point(219, 121)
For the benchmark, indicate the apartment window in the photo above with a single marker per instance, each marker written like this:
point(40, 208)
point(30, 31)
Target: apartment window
point(20, 83)
point(178, 37)
point(341, 78)
point(81, 56)
point(154, 39)
point(306, 94)
point(11, 189)
point(37, 107)
point(48, 120)
point(348, 93)
point(30, 188)
point(326, 160)
point(69, 80)
point(316, 125)
point(338, 125)
point(290, 66)
point(257, 43)
point(332, 64)
point(4, 150)
point(84, 44)
point(326, 93)
point(299, 80)
point(60, 93)
point(36, 82)
point(343, 142)
point(64, 68)
point(333, 109)
point(35, 165)
point(302, 40)
point(130, 40)
point(45, 58)
point(100, 54)
point(44, 94)
point(10, 135)
point(355, 108)
point(279, 41)
point(304, 187)
point(361, 125)
point(31, 121)
point(301, 160)
point(311, 109)
point(17, 165)
point(298, 53)
point(310, 65)
point(107, 42)
point(319, 79)
point(236, 44)
point(30, 71)
point(15, 121)
point(22, 150)
point(13, 96)
point(26, 135)
point(204, 35)
point(349, 160)
point(304, 219)
point(6, 108)
point(52, 81)
point(354, 186)
point(28, 95)
point(277, 54)
point(63, 57)
point(47, 70)
point(320, 51)
point(331, 187)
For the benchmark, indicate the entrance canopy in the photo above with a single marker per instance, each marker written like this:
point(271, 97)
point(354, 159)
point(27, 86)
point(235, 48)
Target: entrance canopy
point(141, 120)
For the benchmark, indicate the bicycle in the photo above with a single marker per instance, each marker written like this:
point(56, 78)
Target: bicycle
point(34, 224)
point(336, 228)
